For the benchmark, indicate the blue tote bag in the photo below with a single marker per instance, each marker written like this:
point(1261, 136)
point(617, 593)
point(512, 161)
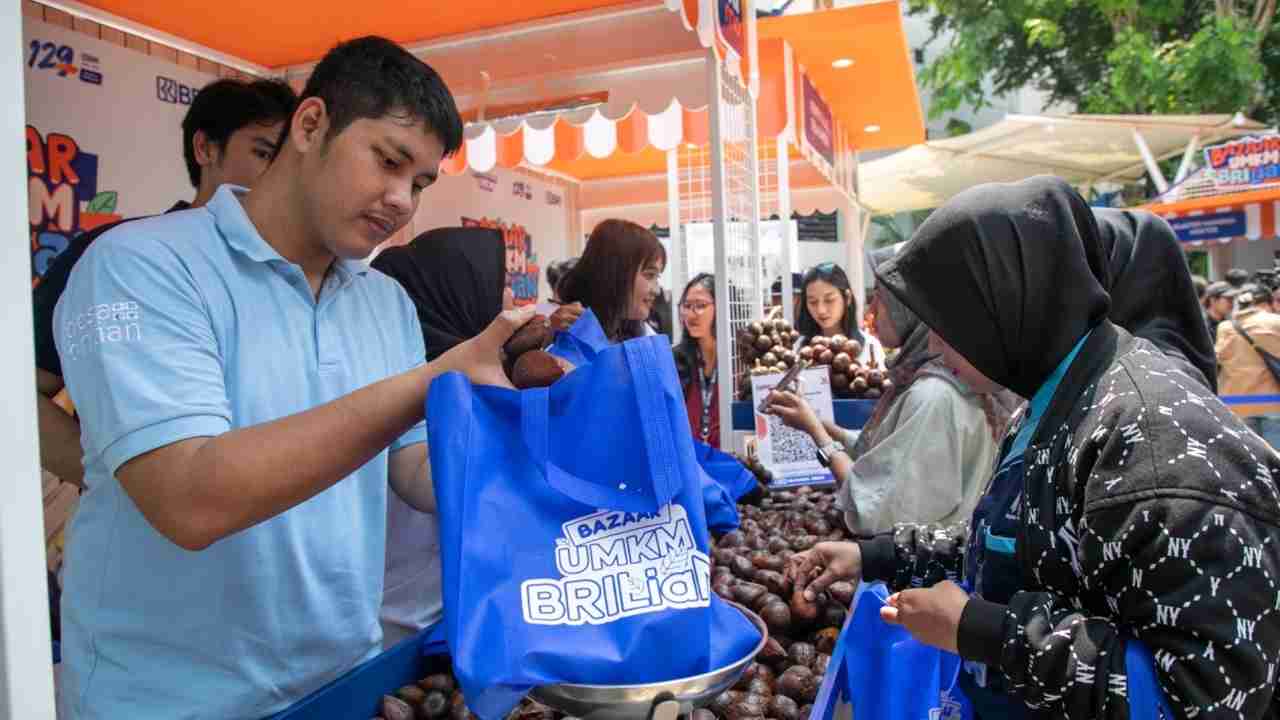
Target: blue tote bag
point(573, 536)
point(885, 674)
point(726, 470)
point(725, 480)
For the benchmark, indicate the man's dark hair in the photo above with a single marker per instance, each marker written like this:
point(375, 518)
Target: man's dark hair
point(371, 77)
point(557, 270)
point(1237, 277)
point(224, 106)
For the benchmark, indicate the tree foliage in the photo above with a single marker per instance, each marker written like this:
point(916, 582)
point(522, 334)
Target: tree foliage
point(1107, 56)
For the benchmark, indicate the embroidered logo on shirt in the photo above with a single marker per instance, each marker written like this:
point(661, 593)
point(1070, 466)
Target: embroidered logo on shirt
point(101, 324)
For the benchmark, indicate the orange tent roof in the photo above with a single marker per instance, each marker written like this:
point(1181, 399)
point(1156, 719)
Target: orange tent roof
point(288, 32)
point(878, 89)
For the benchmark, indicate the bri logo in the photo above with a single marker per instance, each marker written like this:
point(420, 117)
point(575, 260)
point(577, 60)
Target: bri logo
point(614, 565)
point(171, 91)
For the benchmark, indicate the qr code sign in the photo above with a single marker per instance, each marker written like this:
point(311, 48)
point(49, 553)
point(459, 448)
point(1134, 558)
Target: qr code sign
point(789, 446)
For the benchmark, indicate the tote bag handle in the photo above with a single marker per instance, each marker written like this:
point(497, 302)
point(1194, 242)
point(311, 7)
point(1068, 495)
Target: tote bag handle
point(627, 490)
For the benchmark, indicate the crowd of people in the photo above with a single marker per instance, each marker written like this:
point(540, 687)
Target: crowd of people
point(1052, 483)
point(1243, 318)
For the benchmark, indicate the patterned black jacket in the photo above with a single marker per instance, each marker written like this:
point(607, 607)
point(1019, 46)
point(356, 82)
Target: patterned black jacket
point(1149, 510)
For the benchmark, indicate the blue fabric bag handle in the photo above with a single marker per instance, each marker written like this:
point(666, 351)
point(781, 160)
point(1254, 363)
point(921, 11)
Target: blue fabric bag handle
point(637, 489)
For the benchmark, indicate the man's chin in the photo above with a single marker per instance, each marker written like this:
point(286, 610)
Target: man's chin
point(356, 251)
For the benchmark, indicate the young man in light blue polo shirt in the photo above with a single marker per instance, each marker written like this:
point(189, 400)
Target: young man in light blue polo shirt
point(247, 392)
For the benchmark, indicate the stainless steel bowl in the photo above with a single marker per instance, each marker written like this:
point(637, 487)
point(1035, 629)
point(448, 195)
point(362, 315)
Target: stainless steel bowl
point(659, 701)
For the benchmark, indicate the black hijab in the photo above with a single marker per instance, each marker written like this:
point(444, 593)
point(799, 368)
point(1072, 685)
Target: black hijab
point(455, 276)
point(1152, 295)
point(1008, 275)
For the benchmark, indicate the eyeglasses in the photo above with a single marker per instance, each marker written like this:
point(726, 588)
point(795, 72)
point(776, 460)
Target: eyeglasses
point(695, 308)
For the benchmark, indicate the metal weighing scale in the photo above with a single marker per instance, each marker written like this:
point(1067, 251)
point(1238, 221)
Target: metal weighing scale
point(654, 701)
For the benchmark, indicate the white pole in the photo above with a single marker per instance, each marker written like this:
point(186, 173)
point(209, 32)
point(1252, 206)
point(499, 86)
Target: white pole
point(851, 227)
point(675, 241)
point(1188, 156)
point(1148, 159)
point(26, 655)
point(724, 317)
point(789, 250)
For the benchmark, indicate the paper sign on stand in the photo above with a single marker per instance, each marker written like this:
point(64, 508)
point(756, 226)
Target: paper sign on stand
point(791, 455)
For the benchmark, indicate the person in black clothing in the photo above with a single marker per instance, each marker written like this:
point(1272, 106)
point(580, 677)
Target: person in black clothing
point(229, 135)
point(1132, 525)
point(453, 276)
point(1152, 291)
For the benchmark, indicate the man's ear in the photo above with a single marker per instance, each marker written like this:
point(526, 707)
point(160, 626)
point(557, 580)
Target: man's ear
point(207, 151)
point(310, 125)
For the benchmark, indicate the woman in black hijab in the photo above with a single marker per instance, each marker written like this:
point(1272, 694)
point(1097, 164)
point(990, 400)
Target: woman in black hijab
point(1152, 292)
point(1130, 536)
point(456, 277)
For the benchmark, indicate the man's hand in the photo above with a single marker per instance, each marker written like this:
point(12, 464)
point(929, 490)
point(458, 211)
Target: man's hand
point(931, 615)
point(480, 358)
point(814, 570)
point(565, 316)
point(795, 412)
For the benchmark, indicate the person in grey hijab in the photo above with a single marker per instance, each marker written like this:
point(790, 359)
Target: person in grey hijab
point(929, 444)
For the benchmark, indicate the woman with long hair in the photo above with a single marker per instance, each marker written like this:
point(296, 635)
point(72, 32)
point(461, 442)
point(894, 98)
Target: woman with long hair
point(617, 278)
point(696, 358)
point(827, 309)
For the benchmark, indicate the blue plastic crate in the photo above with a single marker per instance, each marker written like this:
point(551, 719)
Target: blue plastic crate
point(358, 694)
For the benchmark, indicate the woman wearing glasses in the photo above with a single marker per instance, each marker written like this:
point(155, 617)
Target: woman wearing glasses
point(696, 358)
point(828, 310)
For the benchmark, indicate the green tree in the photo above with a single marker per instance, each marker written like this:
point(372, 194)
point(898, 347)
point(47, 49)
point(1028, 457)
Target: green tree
point(1107, 56)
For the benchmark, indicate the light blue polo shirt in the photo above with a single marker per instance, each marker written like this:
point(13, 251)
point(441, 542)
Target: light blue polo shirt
point(189, 325)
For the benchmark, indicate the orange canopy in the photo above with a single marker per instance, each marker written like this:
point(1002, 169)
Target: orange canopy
point(289, 32)
point(875, 97)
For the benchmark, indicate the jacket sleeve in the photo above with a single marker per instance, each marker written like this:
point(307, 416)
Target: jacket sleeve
point(915, 555)
point(1175, 560)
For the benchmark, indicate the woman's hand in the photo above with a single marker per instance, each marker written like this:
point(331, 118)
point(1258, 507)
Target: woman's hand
point(814, 570)
point(565, 316)
point(795, 412)
point(931, 615)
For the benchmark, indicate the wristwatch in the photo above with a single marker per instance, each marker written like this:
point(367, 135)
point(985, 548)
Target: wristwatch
point(827, 452)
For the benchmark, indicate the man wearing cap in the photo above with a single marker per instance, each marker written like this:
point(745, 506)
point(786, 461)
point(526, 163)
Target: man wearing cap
point(1219, 300)
point(1242, 370)
point(1237, 278)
